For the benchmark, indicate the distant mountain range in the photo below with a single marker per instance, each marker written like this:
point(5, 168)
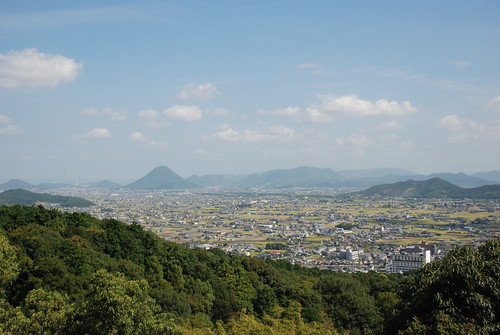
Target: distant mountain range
point(163, 178)
point(432, 188)
point(23, 197)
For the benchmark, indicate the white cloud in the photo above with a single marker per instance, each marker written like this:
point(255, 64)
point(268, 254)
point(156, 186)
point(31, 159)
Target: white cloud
point(281, 130)
point(108, 112)
point(149, 114)
point(389, 124)
point(315, 115)
point(220, 112)
point(10, 130)
point(5, 119)
point(466, 130)
point(158, 144)
point(277, 132)
point(455, 123)
point(308, 66)
point(184, 113)
point(287, 111)
point(353, 105)
point(355, 140)
point(201, 152)
point(31, 68)
point(494, 103)
point(138, 137)
point(198, 91)
point(348, 105)
point(94, 133)
point(226, 133)
point(98, 133)
point(358, 140)
point(158, 125)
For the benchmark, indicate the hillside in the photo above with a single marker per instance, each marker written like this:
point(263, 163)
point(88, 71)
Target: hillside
point(23, 197)
point(161, 178)
point(432, 188)
point(69, 273)
point(299, 177)
point(16, 183)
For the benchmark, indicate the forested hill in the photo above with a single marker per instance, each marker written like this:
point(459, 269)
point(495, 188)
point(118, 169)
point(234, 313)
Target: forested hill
point(432, 188)
point(69, 273)
point(23, 197)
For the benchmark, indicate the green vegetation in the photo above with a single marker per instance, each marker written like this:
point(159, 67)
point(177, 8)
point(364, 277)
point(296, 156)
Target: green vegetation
point(69, 273)
point(23, 197)
point(433, 188)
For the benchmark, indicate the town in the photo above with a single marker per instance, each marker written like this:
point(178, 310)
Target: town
point(319, 228)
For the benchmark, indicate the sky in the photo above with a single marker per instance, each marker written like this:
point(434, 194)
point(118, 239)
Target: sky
point(93, 90)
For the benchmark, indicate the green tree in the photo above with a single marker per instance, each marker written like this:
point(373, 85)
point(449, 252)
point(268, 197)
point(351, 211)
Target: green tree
point(349, 303)
point(42, 312)
point(115, 305)
point(9, 269)
point(464, 286)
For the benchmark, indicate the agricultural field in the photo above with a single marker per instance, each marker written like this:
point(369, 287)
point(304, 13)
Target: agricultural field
point(311, 227)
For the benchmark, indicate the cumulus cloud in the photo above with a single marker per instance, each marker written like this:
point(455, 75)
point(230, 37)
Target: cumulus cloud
point(285, 112)
point(464, 130)
point(494, 103)
point(5, 119)
point(200, 152)
point(350, 105)
point(96, 133)
point(184, 113)
point(10, 130)
point(31, 68)
point(198, 91)
point(149, 114)
point(277, 132)
point(353, 105)
point(138, 136)
point(226, 133)
point(108, 112)
point(455, 123)
point(389, 124)
point(355, 140)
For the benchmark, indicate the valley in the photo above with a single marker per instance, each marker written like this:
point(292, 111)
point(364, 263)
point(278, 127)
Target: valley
point(312, 228)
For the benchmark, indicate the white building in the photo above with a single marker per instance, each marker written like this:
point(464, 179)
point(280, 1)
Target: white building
point(407, 262)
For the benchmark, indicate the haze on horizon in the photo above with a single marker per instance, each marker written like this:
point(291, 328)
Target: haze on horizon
point(95, 90)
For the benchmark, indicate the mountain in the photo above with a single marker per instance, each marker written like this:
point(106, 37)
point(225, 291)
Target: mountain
point(492, 176)
point(106, 184)
point(432, 188)
point(16, 183)
point(23, 197)
point(460, 179)
point(208, 180)
point(161, 178)
point(375, 173)
point(303, 176)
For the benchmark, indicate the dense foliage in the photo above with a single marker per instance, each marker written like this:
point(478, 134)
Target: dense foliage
point(23, 197)
point(69, 273)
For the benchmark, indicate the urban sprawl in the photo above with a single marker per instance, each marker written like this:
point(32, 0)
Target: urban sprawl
point(312, 228)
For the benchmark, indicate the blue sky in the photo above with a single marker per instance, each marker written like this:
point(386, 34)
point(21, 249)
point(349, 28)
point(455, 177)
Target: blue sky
point(112, 89)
